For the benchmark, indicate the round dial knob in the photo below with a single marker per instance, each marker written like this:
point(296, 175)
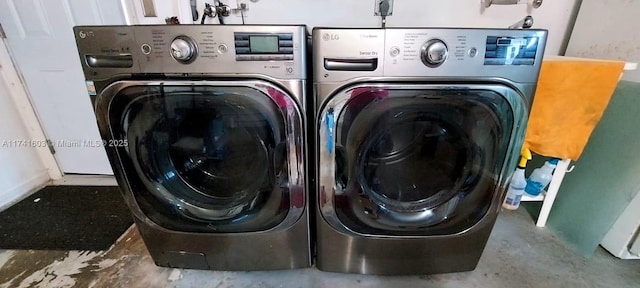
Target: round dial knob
point(183, 49)
point(434, 53)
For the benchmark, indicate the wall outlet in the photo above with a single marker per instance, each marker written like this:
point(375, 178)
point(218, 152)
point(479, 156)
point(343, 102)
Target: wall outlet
point(376, 7)
point(242, 6)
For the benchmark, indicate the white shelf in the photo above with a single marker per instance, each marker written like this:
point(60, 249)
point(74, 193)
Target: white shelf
point(549, 196)
point(528, 198)
point(630, 66)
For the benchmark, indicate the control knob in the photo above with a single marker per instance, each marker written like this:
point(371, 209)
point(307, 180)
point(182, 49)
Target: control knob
point(183, 49)
point(434, 52)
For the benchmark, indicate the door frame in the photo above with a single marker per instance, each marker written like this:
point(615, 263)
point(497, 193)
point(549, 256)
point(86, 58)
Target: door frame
point(22, 100)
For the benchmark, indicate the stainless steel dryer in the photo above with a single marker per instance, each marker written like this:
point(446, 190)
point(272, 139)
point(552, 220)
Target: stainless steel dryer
point(204, 131)
point(418, 132)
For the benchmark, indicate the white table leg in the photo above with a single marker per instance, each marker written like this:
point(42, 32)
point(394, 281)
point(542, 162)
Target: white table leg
point(554, 186)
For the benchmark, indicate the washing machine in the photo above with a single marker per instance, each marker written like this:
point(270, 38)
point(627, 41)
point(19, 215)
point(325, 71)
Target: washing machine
point(203, 126)
point(418, 132)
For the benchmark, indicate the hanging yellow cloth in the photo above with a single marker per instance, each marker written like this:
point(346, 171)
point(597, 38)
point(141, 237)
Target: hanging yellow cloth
point(570, 99)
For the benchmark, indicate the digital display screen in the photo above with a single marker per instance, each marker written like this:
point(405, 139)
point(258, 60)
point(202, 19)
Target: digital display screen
point(263, 44)
point(506, 50)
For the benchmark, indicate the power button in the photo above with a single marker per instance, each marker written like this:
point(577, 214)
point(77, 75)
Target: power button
point(395, 51)
point(146, 49)
point(472, 52)
point(222, 48)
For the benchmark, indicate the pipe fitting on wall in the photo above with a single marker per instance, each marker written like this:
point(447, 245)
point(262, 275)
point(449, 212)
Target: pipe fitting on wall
point(533, 3)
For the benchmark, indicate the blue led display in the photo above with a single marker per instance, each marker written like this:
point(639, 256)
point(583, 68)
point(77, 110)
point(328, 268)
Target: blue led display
point(510, 50)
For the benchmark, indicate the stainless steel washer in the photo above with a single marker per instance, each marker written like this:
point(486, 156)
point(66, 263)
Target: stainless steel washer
point(204, 127)
point(417, 133)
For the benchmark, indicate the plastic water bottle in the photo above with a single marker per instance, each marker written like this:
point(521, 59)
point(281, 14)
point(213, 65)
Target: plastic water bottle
point(518, 183)
point(516, 190)
point(541, 177)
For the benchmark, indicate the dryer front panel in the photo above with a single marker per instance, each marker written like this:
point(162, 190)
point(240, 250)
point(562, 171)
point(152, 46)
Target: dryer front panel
point(217, 157)
point(416, 160)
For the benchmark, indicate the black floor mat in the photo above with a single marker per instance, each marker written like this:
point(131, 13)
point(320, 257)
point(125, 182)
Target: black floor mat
point(66, 218)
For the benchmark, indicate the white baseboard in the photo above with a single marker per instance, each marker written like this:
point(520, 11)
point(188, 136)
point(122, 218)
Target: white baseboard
point(23, 190)
point(85, 180)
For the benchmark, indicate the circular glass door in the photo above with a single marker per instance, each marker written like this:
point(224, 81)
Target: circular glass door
point(411, 161)
point(208, 158)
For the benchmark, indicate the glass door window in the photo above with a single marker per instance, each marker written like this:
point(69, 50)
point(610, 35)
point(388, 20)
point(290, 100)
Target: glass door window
point(416, 162)
point(206, 158)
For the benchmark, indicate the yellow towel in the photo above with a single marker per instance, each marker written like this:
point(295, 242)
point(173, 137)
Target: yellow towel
point(570, 99)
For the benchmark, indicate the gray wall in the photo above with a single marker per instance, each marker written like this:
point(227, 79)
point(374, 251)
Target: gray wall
point(607, 175)
point(554, 15)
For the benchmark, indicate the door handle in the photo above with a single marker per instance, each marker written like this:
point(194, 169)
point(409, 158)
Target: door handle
point(355, 64)
point(109, 61)
point(329, 121)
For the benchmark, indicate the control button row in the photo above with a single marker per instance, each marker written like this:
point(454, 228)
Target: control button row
point(263, 57)
point(245, 36)
point(285, 43)
point(494, 47)
point(281, 43)
point(503, 40)
point(286, 36)
point(523, 61)
point(287, 50)
point(503, 54)
point(247, 50)
point(243, 50)
point(242, 43)
point(492, 40)
point(497, 61)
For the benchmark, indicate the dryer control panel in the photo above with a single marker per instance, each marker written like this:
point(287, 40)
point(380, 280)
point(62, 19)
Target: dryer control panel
point(274, 51)
point(449, 54)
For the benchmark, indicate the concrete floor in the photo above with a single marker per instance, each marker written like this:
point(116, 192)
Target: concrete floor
point(518, 255)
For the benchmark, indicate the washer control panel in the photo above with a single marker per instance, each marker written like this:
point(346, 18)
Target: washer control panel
point(276, 51)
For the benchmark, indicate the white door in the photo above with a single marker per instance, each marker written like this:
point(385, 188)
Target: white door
point(21, 167)
point(41, 40)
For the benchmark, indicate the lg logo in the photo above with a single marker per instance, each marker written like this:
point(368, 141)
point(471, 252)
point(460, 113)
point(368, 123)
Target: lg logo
point(83, 34)
point(327, 37)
